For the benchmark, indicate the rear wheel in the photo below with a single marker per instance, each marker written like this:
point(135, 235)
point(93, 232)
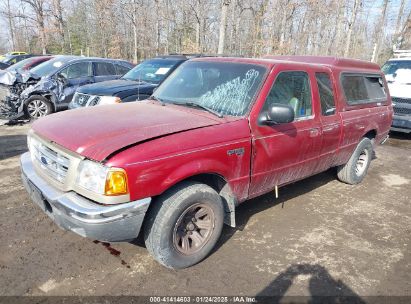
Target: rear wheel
point(354, 171)
point(184, 225)
point(37, 106)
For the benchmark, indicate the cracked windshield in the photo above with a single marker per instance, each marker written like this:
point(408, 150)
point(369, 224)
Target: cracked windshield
point(225, 88)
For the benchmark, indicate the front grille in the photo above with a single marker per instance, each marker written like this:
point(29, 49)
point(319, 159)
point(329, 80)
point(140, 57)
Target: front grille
point(81, 99)
point(402, 106)
point(51, 161)
point(402, 111)
point(85, 100)
point(396, 100)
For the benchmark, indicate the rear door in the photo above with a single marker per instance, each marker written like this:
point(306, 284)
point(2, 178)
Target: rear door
point(76, 75)
point(287, 152)
point(104, 71)
point(330, 120)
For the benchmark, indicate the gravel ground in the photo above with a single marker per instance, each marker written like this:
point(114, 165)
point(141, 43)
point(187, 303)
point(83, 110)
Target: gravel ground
point(321, 237)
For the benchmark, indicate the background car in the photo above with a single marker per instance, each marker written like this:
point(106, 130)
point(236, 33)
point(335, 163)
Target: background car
point(398, 75)
point(12, 59)
point(50, 86)
point(11, 53)
point(28, 64)
point(137, 84)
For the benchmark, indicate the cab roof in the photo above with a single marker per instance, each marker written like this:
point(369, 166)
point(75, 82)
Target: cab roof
point(306, 60)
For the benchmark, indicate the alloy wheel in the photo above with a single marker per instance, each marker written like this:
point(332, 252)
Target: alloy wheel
point(194, 228)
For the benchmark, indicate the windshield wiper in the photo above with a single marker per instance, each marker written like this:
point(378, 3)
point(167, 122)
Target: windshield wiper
point(152, 97)
point(196, 105)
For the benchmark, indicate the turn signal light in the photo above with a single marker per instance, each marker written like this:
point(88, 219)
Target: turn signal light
point(116, 182)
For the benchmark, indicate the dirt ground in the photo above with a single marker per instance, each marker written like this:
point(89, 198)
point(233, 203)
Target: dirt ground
point(321, 237)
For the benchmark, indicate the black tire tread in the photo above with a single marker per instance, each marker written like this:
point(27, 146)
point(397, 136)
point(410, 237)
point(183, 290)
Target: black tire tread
point(346, 172)
point(160, 212)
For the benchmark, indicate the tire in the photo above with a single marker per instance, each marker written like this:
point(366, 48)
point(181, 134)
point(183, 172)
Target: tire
point(37, 106)
point(354, 171)
point(171, 232)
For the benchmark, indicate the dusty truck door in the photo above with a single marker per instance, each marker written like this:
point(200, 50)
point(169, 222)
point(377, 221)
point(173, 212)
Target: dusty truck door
point(325, 89)
point(285, 152)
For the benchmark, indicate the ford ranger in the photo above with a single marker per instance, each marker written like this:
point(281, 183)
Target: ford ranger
point(216, 132)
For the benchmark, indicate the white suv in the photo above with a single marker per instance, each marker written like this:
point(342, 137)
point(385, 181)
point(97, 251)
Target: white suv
point(398, 75)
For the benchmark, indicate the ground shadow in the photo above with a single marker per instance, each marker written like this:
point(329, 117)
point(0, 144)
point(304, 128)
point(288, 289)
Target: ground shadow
point(251, 207)
point(322, 286)
point(12, 145)
point(400, 135)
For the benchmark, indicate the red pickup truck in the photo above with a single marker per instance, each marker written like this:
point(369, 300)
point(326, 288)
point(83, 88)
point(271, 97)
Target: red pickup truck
point(217, 132)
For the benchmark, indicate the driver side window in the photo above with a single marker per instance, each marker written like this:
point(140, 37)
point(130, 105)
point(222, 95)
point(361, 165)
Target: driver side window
point(293, 89)
point(77, 70)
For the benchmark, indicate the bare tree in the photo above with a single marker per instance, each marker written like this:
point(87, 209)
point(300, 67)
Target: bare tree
point(351, 24)
point(223, 26)
point(38, 6)
point(380, 32)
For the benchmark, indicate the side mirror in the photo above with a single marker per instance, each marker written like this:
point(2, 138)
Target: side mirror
point(277, 114)
point(62, 78)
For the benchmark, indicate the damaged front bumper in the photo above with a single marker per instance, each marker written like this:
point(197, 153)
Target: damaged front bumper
point(73, 212)
point(10, 103)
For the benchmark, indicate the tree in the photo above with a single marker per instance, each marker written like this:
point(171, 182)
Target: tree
point(223, 26)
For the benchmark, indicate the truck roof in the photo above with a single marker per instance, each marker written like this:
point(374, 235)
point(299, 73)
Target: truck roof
point(308, 60)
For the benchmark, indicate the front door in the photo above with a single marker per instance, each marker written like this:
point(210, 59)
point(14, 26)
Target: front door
point(286, 152)
point(76, 75)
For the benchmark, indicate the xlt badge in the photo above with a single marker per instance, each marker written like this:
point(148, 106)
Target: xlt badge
point(238, 152)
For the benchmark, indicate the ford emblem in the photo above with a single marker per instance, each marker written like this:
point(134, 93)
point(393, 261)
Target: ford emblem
point(44, 160)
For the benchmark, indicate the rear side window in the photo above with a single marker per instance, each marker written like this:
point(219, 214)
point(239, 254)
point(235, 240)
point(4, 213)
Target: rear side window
point(325, 90)
point(77, 70)
point(121, 70)
point(104, 69)
point(361, 89)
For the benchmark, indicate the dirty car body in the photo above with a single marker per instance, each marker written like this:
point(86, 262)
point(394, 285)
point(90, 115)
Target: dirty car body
point(53, 83)
point(217, 132)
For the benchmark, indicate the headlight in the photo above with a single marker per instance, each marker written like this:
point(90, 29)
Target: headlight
point(106, 100)
point(100, 179)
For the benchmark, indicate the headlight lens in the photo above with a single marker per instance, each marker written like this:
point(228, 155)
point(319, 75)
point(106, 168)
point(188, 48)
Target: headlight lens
point(106, 100)
point(92, 176)
point(102, 180)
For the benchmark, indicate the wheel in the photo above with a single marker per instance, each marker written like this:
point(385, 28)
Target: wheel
point(354, 171)
point(37, 106)
point(184, 224)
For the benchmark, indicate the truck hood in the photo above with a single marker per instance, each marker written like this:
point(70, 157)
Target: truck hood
point(98, 132)
point(112, 87)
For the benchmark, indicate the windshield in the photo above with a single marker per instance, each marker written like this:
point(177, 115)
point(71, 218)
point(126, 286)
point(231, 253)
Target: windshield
point(51, 66)
point(153, 71)
point(398, 71)
point(227, 88)
point(19, 65)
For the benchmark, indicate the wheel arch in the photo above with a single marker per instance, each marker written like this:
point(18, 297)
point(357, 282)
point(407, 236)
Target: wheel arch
point(222, 187)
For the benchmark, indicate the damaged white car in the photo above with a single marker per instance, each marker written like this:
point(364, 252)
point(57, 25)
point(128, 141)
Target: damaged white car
point(50, 86)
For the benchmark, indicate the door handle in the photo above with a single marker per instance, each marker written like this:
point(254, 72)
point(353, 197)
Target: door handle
point(314, 132)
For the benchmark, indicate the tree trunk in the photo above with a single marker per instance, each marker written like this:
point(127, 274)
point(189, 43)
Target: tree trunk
point(223, 25)
point(380, 32)
point(11, 25)
point(351, 26)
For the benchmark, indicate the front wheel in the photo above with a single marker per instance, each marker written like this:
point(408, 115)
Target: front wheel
point(184, 225)
point(37, 106)
point(354, 171)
